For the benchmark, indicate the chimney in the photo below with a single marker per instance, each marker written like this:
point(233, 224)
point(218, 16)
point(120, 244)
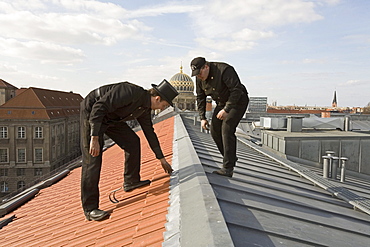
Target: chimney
point(325, 114)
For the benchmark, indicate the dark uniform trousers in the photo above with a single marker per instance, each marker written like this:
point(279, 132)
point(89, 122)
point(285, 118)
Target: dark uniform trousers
point(223, 131)
point(125, 138)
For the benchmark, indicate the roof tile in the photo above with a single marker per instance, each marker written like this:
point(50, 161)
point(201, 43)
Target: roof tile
point(55, 217)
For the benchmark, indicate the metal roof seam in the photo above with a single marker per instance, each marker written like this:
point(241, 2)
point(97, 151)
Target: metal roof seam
point(362, 204)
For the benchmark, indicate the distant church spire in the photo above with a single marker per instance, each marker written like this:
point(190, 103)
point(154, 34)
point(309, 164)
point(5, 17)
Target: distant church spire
point(334, 103)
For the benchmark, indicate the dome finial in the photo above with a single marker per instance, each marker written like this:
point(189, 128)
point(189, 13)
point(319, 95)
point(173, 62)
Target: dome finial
point(181, 68)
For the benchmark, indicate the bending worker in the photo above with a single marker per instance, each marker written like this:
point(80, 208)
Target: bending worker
point(105, 111)
point(222, 83)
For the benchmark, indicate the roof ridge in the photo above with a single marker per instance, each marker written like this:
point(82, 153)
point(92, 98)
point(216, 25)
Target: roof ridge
point(24, 99)
point(6, 84)
point(38, 97)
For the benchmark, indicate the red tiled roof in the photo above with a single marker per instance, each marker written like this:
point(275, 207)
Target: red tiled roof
point(44, 98)
point(4, 84)
point(55, 217)
point(36, 103)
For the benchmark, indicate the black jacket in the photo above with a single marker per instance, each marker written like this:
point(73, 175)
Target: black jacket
point(121, 102)
point(223, 85)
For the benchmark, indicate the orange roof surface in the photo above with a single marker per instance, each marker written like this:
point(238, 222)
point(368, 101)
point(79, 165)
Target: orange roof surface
point(55, 216)
point(44, 98)
point(37, 103)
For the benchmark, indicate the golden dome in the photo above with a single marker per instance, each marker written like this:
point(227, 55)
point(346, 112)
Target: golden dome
point(182, 82)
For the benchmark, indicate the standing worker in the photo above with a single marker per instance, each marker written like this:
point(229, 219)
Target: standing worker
point(222, 83)
point(105, 111)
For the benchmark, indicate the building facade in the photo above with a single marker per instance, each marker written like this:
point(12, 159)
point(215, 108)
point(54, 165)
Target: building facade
point(7, 91)
point(185, 86)
point(39, 132)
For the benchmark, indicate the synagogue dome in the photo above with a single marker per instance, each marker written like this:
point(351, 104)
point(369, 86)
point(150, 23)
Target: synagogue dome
point(182, 82)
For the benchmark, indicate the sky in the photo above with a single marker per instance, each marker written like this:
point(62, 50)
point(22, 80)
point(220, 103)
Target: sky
point(295, 52)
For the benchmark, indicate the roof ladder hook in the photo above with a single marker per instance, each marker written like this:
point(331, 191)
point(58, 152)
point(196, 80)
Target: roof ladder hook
point(112, 195)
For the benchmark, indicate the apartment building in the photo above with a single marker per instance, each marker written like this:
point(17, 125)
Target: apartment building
point(39, 132)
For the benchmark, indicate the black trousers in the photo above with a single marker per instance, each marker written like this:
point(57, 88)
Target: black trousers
point(223, 131)
point(126, 139)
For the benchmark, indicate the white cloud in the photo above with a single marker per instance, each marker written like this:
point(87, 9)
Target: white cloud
point(248, 34)
point(226, 44)
point(96, 8)
point(40, 51)
point(168, 8)
point(82, 28)
point(358, 39)
point(240, 21)
point(329, 2)
point(6, 68)
point(47, 30)
point(314, 61)
point(352, 83)
point(9, 6)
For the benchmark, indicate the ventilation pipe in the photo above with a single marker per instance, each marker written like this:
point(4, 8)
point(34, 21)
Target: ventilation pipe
point(343, 169)
point(325, 166)
point(347, 123)
point(334, 169)
point(330, 154)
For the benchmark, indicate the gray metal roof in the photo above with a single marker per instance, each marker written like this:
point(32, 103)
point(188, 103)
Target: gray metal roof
point(267, 204)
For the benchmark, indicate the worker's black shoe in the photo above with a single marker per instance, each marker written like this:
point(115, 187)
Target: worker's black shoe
point(227, 172)
point(131, 186)
point(96, 215)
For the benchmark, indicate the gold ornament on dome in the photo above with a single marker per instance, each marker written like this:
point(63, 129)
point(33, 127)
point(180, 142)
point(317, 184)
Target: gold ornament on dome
point(182, 82)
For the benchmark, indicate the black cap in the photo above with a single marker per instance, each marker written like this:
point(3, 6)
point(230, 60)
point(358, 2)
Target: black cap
point(196, 64)
point(166, 91)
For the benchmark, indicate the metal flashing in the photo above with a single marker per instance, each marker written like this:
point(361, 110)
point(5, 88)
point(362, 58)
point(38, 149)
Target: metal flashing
point(267, 203)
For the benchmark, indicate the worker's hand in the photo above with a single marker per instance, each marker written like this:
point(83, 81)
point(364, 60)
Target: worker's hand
point(166, 166)
point(222, 114)
point(94, 146)
point(205, 125)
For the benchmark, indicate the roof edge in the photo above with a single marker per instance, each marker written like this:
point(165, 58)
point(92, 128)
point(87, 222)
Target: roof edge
point(201, 214)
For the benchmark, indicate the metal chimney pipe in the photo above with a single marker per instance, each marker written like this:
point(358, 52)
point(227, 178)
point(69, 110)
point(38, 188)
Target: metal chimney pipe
point(346, 123)
point(334, 169)
point(325, 166)
point(330, 154)
point(343, 169)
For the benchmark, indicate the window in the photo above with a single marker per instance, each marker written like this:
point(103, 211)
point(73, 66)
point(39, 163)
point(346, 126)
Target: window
point(21, 155)
point(38, 171)
point(21, 171)
point(38, 132)
point(3, 132)
point(20, 184)
point(38, 154)
point(21, 132)
point(3, 172)
point(4, 186)
point(3, 155)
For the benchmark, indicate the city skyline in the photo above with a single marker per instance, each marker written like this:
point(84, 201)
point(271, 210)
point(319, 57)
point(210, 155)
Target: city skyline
point(294, 52)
